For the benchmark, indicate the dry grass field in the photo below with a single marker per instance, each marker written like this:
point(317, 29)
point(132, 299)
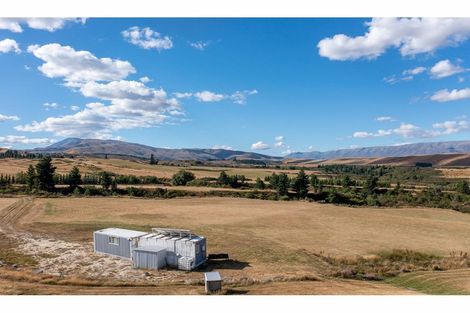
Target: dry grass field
point(273, 245)
point(137, 168)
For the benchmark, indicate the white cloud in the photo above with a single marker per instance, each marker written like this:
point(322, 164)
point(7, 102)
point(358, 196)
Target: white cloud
point(147, 38)
point(239, 97)
point(49, 106)
point(452, 127)
point(279, 138)
point(445, 95)
point(288, 151)
point(279, 144)
point(445, 68)
point(259, 146)
point(74, 108)
point(209, 96)
point(311, 147)
point(145, 79)
point(9, 45)
point(4, 118)
point(385, 119)
point(49, 24)
point(133, 105)
point(25, 140)
point(182, 95)
point(199, 45)
point(411, 36)
point(461, 79)
point(414, 71)
point(405, 130)
point(224, 147)
point(77, 67)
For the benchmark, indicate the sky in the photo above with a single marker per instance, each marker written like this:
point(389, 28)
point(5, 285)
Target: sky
point(272, 86)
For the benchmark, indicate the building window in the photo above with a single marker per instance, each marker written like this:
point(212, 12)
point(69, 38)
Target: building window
point(113, 241)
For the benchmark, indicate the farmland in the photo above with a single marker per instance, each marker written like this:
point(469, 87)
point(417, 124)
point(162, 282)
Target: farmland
point(275, 247)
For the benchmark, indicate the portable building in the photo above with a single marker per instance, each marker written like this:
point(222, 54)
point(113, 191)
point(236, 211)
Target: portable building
point(149, 257)
point(185, 250)
point(213, 282)
point(116, 241)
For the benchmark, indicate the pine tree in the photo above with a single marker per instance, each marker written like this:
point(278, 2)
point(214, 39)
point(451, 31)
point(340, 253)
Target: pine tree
point(106, 180)
point(152, 159)
point(75, 178)
point(31, 178)
point(301, 184)
point(45, 174)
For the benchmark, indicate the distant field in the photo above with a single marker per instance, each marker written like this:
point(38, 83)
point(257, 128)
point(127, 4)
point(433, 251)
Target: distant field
point(282, 226)
point(137, 168)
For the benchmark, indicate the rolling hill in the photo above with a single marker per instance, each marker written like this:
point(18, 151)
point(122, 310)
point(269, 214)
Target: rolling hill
point(95, 147)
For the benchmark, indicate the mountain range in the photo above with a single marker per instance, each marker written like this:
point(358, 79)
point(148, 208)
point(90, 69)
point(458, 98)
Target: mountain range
point(76, 146)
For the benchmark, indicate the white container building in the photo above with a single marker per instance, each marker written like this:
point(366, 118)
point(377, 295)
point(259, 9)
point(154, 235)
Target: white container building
point(175, 248)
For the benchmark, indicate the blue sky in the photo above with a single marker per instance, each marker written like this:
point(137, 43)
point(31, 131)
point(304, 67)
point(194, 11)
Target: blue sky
point(266, 85)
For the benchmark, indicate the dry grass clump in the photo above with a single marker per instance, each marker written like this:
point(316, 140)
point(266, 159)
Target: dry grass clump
point(391, 263)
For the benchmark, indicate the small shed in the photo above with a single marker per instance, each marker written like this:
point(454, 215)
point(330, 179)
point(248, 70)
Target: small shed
point(116, 241)
point(149, 257)
point(213, 282)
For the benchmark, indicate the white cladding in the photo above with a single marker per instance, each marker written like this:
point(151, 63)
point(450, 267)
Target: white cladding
point(184, 253)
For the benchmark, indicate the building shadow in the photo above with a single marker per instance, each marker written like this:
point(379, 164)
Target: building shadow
point(230, 264)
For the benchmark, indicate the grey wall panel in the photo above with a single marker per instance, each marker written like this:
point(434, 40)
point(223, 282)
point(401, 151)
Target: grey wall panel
point(123, 249)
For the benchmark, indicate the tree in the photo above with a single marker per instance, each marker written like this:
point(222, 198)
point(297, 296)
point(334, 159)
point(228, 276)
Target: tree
point(463, 188)
point(280, 183)
point(370, 186)
point(106, 180)
point(45, 174)
point(152, 160)
point(31, 178)
point(223, 179)
point(75, 178)
point(259, 184)
point(346, 181)
point(300, 184)
point(182, 178)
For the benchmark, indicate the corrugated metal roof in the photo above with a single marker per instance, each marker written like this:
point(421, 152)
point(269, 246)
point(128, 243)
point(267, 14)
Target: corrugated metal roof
point(212, 276)
point(120, 232)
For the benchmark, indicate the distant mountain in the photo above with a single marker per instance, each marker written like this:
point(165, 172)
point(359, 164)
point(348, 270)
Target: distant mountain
point(76, 146)
point(425, 148)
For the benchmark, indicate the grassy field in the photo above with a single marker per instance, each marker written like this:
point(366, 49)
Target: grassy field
point(278, 225)
point(274, 243)
point(137, 168)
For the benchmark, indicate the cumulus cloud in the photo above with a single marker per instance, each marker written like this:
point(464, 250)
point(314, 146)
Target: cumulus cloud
point(199, 45)
point(24, 140)
point(49, 24)
point(452, 127)
point(224, 147)
point(279, 142)
point(145, 79)
point(183, 95)
point(147, 38)
point(77, 67)
point(74, 108)
point(9, 45)
point(259, 146)
point(445, 95)
point(4, 118)
point(445, 68)
point(209, 96)
point(411, 36)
